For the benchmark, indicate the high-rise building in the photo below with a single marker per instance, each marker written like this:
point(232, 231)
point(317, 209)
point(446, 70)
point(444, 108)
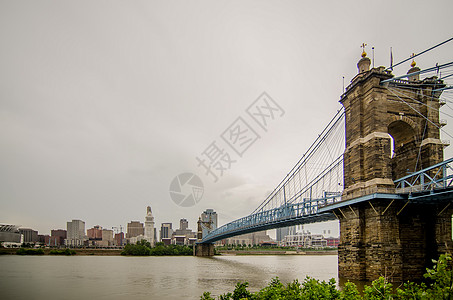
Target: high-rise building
point(107, 238)
point(57, 237)
point(75, 233)
point(119, 239)
point(284, 231)
point(183, 224)
point(134, 228)
point(150, 231)
point(183, 235)
point(95, 233)
point(209, 221)
point(29, 235)
point(166, 231)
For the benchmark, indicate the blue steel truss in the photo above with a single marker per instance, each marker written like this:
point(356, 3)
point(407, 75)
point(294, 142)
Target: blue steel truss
point(430, 181)
point(429, 185)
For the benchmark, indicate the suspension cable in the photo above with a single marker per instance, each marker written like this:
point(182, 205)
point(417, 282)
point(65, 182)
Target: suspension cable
point(440, 44)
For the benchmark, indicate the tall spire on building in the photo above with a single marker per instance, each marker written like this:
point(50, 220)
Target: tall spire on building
point(150, 232)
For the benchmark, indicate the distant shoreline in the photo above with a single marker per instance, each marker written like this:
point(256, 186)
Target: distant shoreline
point(117, 252)
point(83, 251)
point(277, 252)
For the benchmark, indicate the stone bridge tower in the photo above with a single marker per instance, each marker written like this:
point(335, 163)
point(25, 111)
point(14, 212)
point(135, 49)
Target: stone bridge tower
point(392, 129)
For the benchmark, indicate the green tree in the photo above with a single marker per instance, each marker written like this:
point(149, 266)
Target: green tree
point(241, 292)
point(441, 276)
point(379, 289)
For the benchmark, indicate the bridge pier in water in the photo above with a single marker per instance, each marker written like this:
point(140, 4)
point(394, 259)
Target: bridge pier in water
point(383, 238)
point(203, 249)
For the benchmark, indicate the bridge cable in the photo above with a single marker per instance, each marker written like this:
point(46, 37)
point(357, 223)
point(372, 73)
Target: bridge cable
point(423, 52)
point(420, 113)
point(302, 163)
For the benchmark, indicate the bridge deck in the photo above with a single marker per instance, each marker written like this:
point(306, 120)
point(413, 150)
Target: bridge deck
point(430, 185)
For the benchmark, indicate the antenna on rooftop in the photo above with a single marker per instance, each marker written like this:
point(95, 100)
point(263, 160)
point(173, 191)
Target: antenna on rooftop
point(372, 50)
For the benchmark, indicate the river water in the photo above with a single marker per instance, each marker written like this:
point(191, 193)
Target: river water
point(169, 277)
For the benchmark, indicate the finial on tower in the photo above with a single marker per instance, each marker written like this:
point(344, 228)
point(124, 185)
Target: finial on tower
point(364, 63)
point(363, 49)
point(413, 63)
point(414, 69)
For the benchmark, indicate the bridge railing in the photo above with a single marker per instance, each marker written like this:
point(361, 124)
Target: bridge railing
point(283, 214)
point(438, 176)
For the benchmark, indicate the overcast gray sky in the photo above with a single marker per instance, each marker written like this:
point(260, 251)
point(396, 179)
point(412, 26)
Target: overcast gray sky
point(103, 103)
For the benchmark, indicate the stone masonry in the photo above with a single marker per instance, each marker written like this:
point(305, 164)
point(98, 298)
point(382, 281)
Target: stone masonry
point(384, 238)
point(387, 137)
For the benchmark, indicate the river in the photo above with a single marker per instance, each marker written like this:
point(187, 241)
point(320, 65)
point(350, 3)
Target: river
point(169, 277)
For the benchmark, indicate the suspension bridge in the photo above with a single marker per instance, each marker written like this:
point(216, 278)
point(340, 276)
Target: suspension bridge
point(377, 167)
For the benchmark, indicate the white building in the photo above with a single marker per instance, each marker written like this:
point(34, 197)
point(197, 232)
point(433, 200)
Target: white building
point(305, 240)
point(150, 231)
point(76, 236)
point(254, 238)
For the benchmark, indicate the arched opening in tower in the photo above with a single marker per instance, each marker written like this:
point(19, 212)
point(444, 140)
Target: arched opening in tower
point(405, 149)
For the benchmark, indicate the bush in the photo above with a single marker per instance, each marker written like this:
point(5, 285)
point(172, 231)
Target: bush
point(25, 251)
point(62, 252)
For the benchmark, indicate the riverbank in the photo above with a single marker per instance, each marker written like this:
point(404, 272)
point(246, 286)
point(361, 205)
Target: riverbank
point(117, 252)
point(85, 251)
point(276, 252)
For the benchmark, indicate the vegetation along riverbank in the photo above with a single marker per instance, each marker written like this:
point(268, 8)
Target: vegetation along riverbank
point(438, 284)
point(143, 248)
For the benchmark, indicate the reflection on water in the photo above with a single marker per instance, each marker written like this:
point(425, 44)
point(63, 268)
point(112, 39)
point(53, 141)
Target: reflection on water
point(118, 277)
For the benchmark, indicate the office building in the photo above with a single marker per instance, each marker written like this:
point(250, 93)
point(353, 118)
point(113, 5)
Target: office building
point(182, 235)
point(134, 229)
point(95, 233)
point(107, 238)
point(148, 232)
point(183, 224)
point(57, 237)
point(284, 231)
point(119, 239)
point(75, 233)
point(29, 235)
point(166, 231)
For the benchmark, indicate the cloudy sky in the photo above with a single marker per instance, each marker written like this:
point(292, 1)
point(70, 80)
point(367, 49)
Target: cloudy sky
point(103, 103)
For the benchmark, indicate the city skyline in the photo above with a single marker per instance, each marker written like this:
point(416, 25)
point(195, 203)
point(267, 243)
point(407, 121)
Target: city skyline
point(100, 115)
